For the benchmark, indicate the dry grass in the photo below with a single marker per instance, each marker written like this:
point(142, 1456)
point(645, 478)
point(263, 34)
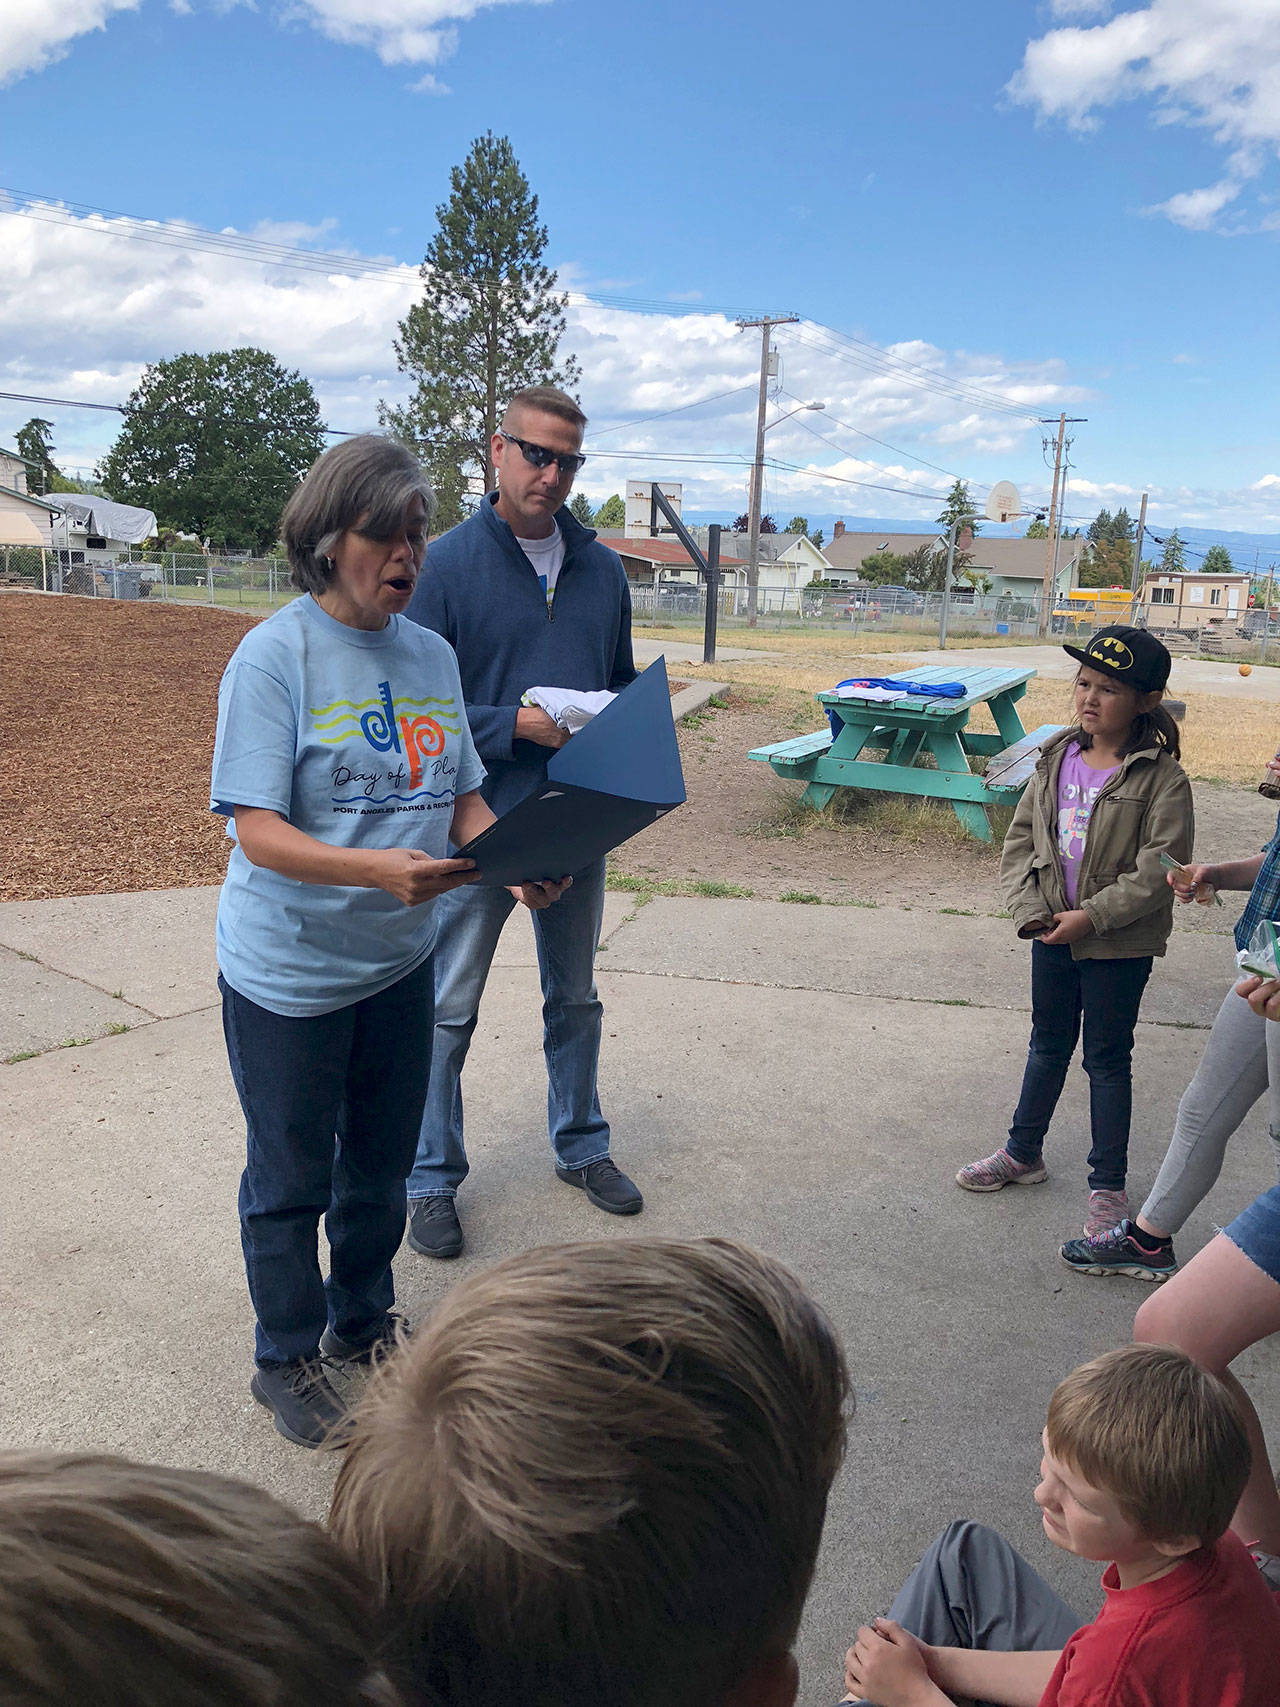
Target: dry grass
point(1224, 740)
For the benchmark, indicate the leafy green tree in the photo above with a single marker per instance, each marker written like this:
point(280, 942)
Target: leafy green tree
point(34, 446)
point(798, 524)
point(1172, 558)
point(580, 509)
point(1217, 561)
point(490, 321)
point(215, 444)
point(742, 524)
point(1039, 529)
point(959, 508)
point(612, 513)
point(816, 538)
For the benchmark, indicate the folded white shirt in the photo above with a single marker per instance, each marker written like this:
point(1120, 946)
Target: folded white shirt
point(570, 708)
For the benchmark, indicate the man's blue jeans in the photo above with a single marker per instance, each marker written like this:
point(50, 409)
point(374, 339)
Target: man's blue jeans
point(332, 1105)
point(1106, 994)
point(567, 935)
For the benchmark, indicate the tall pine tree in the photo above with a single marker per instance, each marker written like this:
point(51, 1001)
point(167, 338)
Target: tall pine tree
point(1172, 558)
point(490, 321)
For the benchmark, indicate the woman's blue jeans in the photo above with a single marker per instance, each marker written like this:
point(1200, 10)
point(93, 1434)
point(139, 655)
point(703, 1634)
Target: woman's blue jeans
point(567, 934)
point(332, 1104)
point(1106, 995)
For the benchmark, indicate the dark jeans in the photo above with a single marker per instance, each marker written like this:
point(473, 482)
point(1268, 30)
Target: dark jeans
point(1107, 994)
point(333, 1105)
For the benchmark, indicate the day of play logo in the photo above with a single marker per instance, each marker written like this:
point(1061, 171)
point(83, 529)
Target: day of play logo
point(391, 724)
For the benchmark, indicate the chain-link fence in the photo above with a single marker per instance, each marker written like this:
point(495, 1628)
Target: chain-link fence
point(262, 584)
point(250, 583)
point(1249, 636)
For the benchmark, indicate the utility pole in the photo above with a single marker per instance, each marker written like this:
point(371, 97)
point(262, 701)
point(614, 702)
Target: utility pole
point(1134, 581)
point(766, 325)
point(1049, 589)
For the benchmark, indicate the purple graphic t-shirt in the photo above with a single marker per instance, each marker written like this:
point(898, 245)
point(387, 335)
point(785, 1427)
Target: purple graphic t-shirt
point(1078, 787)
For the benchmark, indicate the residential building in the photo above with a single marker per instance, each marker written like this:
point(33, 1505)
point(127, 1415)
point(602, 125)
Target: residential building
point(1012, 566)
point(663, 560)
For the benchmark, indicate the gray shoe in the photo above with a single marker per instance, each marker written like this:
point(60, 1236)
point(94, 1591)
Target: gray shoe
point(390, 1332)
point(434, 1228)
point(605, 1185)
point(305, 1407)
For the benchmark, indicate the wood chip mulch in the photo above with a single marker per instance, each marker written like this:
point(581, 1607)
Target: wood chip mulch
point(108, 712)
point(107, 717)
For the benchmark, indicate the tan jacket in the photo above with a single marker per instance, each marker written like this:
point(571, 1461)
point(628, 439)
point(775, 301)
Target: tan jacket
point(1143, 811)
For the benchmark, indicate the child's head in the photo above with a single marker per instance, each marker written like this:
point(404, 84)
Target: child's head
point(137, 1585)
point(599, 1473)
point(1118, 689)
point(1142, 1448)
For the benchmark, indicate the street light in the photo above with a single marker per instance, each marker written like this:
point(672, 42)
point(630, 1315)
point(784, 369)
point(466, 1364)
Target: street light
point(798, 410)
point(753, 505)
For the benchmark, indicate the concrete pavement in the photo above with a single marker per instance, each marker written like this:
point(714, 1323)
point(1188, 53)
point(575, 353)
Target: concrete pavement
point(804, 1077)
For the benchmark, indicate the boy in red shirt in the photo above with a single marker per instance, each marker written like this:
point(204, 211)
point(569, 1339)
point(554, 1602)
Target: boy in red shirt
point(1145, 1456)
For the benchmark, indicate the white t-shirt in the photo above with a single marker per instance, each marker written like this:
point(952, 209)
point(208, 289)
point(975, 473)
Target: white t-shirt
point(547, 556)
point(358, 738)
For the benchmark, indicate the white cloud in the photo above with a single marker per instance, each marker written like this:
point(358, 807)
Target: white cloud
point(1213, 64)
point(1197, 210)
point(34, 33)
point(83, 309)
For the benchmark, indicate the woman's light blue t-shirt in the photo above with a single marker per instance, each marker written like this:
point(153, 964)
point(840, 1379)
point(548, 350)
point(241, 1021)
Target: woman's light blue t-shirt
point(359, 739)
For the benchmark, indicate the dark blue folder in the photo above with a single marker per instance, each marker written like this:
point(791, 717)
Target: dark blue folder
point(614, 778)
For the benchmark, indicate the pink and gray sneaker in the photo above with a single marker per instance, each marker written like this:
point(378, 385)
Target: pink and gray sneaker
point(995, 1172)
point(1107, 1209)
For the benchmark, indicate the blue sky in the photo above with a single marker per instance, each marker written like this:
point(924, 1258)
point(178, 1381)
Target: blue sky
point(1059, 203)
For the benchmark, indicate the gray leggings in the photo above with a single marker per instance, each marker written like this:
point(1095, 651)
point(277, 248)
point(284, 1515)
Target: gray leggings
point(1241, 1061)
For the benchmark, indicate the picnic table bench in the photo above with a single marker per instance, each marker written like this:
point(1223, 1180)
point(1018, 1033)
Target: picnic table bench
point(903, 729)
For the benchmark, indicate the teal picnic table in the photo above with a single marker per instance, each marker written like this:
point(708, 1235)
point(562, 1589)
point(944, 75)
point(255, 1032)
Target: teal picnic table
point(901, 731)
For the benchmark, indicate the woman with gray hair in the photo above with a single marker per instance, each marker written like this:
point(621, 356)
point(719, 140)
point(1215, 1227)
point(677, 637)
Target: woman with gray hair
point(345, 768)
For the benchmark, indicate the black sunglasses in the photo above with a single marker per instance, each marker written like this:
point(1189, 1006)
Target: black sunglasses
point(569, 461)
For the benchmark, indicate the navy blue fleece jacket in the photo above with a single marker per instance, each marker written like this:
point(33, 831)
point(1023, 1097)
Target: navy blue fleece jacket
point(480, 591)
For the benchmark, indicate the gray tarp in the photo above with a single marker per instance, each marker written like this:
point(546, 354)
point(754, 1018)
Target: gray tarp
point(89, 514)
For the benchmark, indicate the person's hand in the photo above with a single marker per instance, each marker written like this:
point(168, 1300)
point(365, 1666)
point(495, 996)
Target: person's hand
point(1068, 927)
point(536, 896)
point(1187, 882)
point(413, 877)
point(533, 724)
point(890, 1666)
point(1262, 995)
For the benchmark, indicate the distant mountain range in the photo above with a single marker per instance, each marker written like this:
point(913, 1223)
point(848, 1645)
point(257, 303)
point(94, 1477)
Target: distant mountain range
point(1196, 540)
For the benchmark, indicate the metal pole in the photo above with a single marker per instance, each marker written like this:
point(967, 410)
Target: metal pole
point(713, 594)
point(946, 583)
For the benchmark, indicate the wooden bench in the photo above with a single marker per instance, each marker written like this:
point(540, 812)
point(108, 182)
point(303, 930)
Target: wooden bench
point(784, 755)
point(1009, 772)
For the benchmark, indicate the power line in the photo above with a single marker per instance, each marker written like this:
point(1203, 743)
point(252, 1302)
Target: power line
point(921, 461)
point(185, 236)
point(920, 490)
point(907, 373)
point(661, 413)
point(986, 397)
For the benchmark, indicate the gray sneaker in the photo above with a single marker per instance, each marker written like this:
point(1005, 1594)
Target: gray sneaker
point(434, 1227)
point(390, 1332)
point(305, 1407)
point(605, 1185)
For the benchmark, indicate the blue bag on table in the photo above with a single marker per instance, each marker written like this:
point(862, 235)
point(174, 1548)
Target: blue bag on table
point(893, 687)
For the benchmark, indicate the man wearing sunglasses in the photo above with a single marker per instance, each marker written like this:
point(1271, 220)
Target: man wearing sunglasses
point(527, 597)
